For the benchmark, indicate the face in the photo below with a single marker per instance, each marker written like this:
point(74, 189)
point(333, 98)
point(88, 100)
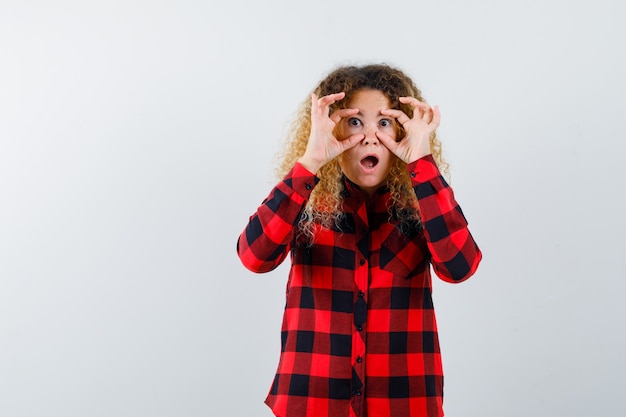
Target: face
point(368, 163)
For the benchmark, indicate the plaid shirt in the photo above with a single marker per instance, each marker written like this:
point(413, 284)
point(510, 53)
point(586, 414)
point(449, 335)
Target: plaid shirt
point(359, 336)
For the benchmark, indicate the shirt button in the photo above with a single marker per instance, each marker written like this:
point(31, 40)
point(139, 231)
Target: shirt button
point(361, 294)
point(357, 392)
point(359, 328)
point(362, 262)
point(359, 359)
point(412, 174)
point(308, 186)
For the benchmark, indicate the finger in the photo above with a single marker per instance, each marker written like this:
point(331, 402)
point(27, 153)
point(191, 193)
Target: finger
point(436, 117)
point(413, 102)
point(325, 102)
point(315, 110)
point(387, 141)
point(421, 109)
point(342, 113)
point(399, 115)
point(427, 114)
point(331, 98)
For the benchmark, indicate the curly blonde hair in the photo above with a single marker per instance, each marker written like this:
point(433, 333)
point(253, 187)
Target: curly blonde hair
point(325, 204)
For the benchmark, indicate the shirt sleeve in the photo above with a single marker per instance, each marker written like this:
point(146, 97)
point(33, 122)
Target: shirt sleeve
point(266, 240)
point(454, 253)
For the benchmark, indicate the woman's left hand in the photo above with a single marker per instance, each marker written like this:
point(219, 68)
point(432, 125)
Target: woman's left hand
point(416, 142)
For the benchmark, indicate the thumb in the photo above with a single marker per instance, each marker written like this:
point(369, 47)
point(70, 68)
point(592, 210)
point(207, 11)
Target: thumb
point(387, 141)
point(352, 141)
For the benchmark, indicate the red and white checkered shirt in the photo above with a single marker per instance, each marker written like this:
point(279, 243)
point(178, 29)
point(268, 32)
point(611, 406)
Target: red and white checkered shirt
point(359, 335)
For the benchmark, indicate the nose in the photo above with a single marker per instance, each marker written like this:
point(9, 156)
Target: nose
point(370, 135)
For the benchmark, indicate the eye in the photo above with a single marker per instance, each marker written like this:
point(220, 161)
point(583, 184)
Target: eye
point(354, 122)
point(385, 122)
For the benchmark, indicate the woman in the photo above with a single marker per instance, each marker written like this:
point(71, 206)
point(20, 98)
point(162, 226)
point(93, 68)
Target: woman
point(364, 212)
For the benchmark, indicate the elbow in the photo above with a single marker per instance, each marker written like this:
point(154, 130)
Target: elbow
point(460, 268)
point(258, 267)
point(258, 263)
point(456, 276)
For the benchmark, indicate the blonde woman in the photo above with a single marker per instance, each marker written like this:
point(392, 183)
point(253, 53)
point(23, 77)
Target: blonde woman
point(364, 212)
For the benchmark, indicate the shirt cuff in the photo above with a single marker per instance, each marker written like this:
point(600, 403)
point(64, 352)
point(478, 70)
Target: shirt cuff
point(423, 170)
point(301, 180)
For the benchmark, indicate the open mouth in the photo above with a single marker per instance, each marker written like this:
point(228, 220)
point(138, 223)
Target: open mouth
point(369, 161)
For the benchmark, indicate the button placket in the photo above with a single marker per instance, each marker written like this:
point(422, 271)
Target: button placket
point(361, 280)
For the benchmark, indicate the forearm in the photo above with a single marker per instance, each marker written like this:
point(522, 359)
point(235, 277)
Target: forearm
point(454, 253)
point(266, 240)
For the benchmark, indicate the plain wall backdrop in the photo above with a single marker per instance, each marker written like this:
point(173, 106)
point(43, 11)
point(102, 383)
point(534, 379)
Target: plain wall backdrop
point(136, 137)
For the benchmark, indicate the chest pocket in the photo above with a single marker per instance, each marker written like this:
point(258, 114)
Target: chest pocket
point(403, 250)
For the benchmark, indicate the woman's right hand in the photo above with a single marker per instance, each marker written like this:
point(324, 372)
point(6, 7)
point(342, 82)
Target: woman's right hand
point(323, 146)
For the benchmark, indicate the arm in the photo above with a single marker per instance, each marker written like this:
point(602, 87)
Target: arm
point(266, 240)
point(455, 255)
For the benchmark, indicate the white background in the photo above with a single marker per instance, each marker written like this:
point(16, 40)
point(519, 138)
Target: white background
point(136, 137)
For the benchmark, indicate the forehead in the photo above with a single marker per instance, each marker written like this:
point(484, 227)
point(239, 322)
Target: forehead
point(367, 98)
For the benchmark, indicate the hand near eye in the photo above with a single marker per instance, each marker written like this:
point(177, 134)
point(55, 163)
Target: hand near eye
point(323, 146)
point(419, 129)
